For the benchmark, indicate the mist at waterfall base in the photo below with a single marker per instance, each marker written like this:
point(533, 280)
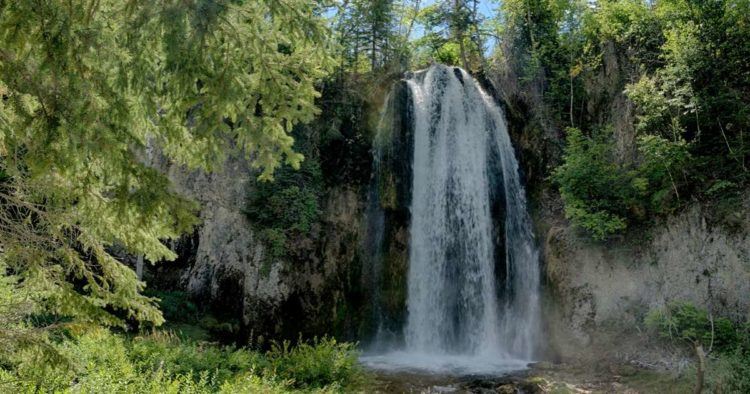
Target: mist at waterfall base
point(460, 318)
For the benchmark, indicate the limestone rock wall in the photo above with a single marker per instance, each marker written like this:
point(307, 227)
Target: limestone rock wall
point(226, 269)
point(598, 289)
point(597, 294)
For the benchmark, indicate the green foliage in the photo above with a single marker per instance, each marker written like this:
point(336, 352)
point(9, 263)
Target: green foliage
point(705, 44)
point(721, 187)
point(89, 90)
point(380, 37)
point(289, 207)
point(164, 350)
point(448, 53)
point(191, 322)
point(15, 306)
point(654, 108)
point(322, 363)
point(369, 37)
point(684, 321)
point(544, 39)
point(728, 343)
point(662, 163)
point(595, 189)
point(453, 34)
point(730, 372)
point(276, 241)
point(631, 25)
point(604, 196)
point(680, 62)
point(162, 363)
point(176, 306)
point(345, 134)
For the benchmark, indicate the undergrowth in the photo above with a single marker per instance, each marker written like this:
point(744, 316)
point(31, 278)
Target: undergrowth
point(726, 344)
point(100, 361)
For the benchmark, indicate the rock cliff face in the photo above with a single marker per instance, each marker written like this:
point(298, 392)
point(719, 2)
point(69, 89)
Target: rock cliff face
point(224, 263)
point(591, 289)
point(597, 294)
point(596, 290)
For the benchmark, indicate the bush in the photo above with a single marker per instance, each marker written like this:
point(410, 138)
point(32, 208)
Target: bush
point(162, 363)
point(176, 306)
point(631, 25)
point(164, 350)
point(728, 344)
point(730, 372)
point(449, 53)
point(682, 65)
point(321, 363)
point(686, 322)
point(289, 206)
point(604, 195)
point(185, 318)
point(599, 194)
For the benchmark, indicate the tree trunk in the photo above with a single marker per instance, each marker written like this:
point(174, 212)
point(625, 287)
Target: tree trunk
point(459, 33)
point(571, 101)
point(701, 367)
point(374, 46)
point(477, 36)
point(139, 267)
point(411, 22)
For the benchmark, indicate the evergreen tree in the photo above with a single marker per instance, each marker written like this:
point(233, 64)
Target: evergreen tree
point(373, 34)
point(453, 33)
point(87, 88)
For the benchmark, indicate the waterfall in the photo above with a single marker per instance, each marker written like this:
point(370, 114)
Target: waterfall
point(461, 312)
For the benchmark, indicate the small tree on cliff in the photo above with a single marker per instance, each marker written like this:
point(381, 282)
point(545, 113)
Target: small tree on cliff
point(698, 328)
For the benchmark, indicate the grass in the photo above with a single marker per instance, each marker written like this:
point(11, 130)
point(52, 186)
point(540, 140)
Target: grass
point(659, 382)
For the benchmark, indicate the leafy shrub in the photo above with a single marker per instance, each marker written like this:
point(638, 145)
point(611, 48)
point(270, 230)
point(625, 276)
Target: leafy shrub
point(684, 321)
point(728, 369)
point(730, 372)
point(683, 67)
point(604, 195)
point(162, 363)
point(318, 364)
point(289, 206)
point(449, 53)
point(276, 242)
point(596, 190)
point(189, 321)
point(631, 24)
point(164, 350)
point(722, 187)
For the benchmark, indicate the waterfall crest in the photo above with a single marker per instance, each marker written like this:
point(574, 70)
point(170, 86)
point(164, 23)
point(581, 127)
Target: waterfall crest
point(459, 314)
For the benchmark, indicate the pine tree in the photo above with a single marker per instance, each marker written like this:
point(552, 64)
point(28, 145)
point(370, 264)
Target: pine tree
point(86, 87)
point(368, 34)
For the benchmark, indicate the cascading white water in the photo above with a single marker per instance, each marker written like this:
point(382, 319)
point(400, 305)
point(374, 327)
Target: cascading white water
point(458, 316)
point(451, 288)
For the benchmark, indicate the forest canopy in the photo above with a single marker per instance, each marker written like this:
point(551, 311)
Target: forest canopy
point(653, 97)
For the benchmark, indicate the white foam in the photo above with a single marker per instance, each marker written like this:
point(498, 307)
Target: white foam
point(442, 364)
